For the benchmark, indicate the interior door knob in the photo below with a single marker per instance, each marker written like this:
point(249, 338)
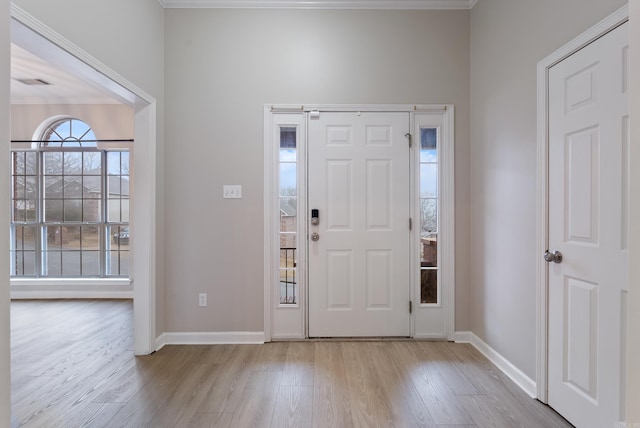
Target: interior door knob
point(555, 257)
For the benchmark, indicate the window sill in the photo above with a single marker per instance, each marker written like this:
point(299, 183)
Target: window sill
point(71, 288)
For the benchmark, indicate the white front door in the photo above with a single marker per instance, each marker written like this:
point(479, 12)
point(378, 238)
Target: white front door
point(588, 218)
point(359, 183)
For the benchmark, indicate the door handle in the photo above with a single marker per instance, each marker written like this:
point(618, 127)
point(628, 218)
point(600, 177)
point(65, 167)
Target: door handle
point(315, 236)
point(555, 257)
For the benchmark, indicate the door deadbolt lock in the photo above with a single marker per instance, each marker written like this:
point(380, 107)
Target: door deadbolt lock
point(555, 257)
point(315, 217)
point(315, 236)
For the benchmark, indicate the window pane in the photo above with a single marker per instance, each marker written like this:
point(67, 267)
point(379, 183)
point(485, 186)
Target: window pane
point(288, 281)
point(73, 187)
point(71, 263)
point(31, 165)
point(54, 263)
point(124, 163)
point(71, 237)
point(52, 210)
point(54, 237)
point(428, 138)
point(428, 215)
point(90, 263)
point(288, 179)
point(113, 163)
point(113, 210)
point(288, 240)
point(91, 163)
point(118, 263)
point(73, 210)
point(72, 163)
point(90, 238)
point(429, 250)
point(53, 163)
point(19, 167)
point(288, 137)
point(91, 210)
point(119, 237)
point(429, 286)
point(428, 180)
point(288, 207)
point(53, 186)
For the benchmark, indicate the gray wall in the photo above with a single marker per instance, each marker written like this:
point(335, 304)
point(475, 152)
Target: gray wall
point(508, 38)
point(222, 66)
point(108, 121)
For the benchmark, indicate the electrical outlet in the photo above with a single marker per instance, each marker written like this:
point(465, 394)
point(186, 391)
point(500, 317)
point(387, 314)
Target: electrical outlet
point(202, 299)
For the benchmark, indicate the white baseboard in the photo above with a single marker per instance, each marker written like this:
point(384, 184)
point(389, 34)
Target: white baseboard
point(527, 384)
point(209, 338)
point(627, 425)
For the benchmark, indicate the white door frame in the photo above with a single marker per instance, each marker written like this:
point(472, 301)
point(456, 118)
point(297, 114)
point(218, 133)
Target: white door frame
point(442, 116)
point(143, 212)
point(542, 284)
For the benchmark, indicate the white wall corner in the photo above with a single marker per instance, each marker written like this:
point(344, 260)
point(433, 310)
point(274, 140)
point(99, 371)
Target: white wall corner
point(525, 383)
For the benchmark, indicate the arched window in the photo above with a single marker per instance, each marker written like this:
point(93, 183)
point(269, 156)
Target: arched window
point(70, 206)
point(69, 133)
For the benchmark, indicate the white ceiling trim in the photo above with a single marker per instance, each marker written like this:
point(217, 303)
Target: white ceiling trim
point(321, 4)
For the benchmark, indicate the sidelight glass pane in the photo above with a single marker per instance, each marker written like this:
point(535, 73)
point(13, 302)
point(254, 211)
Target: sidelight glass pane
point(429, 216)
point(429, 250)
point(288, 190)
point(288, 184)
point(428, 180)
point(428, 286)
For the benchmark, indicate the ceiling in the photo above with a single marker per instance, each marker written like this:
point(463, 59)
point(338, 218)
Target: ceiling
point(63, 87)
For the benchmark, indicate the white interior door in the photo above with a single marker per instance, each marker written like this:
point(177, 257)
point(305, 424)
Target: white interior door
point(588, 217)
point(358, 180)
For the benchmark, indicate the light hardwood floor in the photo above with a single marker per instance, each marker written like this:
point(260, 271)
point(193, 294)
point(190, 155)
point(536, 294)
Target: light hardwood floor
point(73, 366)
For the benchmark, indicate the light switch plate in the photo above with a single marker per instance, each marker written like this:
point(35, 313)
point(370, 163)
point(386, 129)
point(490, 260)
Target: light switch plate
point(232, 191)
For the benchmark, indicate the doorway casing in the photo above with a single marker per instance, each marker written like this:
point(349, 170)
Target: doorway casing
point(542, 292)
point(428, 321)
point(143, 213)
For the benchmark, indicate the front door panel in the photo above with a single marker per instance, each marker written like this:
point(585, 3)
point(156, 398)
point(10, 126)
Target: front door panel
point(358, 180)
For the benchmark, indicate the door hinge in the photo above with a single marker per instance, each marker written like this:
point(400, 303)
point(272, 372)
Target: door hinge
point(408, 135)
point(410, 307)
point(410, 223)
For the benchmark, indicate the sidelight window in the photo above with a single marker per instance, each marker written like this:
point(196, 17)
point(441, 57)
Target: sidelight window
point(429, 215)
point(288, 195)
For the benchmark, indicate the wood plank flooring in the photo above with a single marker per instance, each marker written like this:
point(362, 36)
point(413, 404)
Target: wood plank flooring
point(73, 366)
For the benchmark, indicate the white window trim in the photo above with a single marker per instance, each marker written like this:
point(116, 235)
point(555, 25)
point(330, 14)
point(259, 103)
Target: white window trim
point(442, 116)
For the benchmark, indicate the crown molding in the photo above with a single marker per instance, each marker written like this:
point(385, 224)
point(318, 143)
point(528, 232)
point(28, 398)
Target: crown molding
point(320, 4)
